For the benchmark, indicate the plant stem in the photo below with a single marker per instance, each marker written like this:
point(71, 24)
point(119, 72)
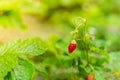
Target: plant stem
point(87, 57)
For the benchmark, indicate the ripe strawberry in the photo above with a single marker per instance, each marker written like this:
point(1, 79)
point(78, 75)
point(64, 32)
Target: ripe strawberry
point(72, 47)
point(90, 77)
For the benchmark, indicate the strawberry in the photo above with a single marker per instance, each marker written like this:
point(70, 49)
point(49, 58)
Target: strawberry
point(72, 46)
point(90, 77)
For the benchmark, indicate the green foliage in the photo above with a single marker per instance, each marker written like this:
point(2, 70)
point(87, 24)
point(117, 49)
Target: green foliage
point(10, 15)
point(41, 70)
point(7, 63)
point(26, 47)
point(24, 70)
point(10, 76)
point(99, 76)
point(33, 7)
point(24, 59)
point(92, 54)
point(11, 18)
point(80, 34)
point(114, 59)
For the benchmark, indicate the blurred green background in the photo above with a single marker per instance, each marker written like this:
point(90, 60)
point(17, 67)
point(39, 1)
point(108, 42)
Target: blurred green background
point(52, 21)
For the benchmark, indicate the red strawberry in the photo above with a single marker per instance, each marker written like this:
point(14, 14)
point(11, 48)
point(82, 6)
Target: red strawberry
point(90, 77)
point(72, 47)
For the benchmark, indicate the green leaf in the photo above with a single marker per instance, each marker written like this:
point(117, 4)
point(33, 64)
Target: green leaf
point(10, 76)
point(7, 62)
point(98, 75)
point(27, 47)
point(100, 51)
point(41, 70)
point(82, 70)
point(24, 70)
point(115, 60)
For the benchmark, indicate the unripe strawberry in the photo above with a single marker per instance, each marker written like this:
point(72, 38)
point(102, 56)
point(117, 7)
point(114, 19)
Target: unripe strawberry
point(72, 46)
point(90, 77)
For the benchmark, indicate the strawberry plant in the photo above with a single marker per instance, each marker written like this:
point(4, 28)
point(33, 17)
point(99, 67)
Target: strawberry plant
point(91, 52)
point(87, 48)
